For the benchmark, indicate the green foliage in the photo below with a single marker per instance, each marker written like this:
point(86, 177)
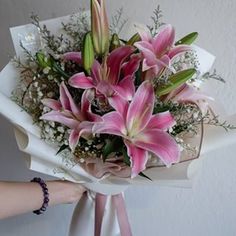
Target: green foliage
point(156, 21)
point(115, 42)
point(112, 145)
point(145, 176)
point(118, 21)
point(175, 81)
point(62, 148)
point(188, 39)
point(56, 67)
point(135, 38)
point(43, 61)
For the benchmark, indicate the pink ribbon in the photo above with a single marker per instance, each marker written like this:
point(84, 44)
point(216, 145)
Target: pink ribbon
point(119, 203)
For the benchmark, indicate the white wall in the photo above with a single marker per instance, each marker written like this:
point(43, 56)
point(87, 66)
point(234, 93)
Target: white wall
point(209, 208)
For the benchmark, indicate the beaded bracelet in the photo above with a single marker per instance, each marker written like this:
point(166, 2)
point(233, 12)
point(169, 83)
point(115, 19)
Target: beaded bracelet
point(45, 195)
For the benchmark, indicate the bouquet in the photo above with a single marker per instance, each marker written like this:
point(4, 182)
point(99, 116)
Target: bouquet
point(96, 108)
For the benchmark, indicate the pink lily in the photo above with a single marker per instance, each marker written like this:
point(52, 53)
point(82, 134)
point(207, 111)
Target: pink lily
point(65, 111)
point(141, 131)
point(100, 27)
point(159, 51)
point(105, 78)
point(188, 93)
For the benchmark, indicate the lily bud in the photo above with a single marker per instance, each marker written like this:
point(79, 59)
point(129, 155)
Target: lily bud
point(88, 53)
point(100, 27)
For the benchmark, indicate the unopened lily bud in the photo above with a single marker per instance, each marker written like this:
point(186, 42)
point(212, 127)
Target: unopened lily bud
point(100, 27)
point(88, 53)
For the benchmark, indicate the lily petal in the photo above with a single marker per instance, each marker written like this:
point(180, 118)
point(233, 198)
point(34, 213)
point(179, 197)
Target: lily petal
point(144, 45)
point(141, 107)
point(115, 60)
point(73, 56)
point(162, 121)
point(164, 40)
point(119, 104)
point(113, 123)
point(86, 99)
point(144, 32)
point(187, 93)
point(80, 80)
point(159, 143)
point(138, 158)
point(60, 118)
point(130, 67)
point(67, 100)
point(105, 88)
point(126, 88)
point(148, 54)
point(179, 49)
point(83, 130)
point(51, 103)
point(74, 139)
point(96, 72)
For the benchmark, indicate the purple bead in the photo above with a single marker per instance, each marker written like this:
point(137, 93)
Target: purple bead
point(45, 194)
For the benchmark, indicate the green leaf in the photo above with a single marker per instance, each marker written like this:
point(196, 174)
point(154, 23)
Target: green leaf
point(188, 39)
point(62, 148)
point(88, 52)
point(58, 69)
point(115, 42)
point(175, 81)
point(126, 157)
point(135, 38)
point(43, 61)
point(123, 41)
point(145, 176)
point(114, 145)
point(138, 76)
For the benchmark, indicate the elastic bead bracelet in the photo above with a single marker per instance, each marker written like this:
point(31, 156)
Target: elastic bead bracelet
point(45, 195)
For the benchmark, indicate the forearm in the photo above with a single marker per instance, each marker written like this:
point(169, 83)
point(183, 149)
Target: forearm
point(18, 198)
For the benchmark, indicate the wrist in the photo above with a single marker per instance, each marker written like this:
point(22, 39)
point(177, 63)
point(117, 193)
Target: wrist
point(61, 192)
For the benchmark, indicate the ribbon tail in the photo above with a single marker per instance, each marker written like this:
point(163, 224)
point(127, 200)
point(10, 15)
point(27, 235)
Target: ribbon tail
point(123, 220)
point(100, 203)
